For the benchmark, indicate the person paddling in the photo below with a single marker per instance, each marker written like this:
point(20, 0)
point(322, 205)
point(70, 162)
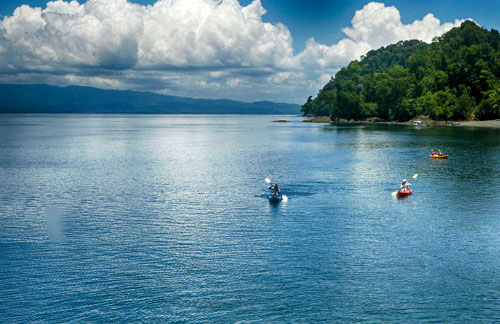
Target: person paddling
point(276, 190)
point(405, 185)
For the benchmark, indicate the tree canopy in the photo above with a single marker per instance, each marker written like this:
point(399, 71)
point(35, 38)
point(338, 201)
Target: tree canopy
point(457, 76)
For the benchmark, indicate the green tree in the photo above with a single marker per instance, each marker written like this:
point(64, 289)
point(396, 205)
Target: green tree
point(464, 107)
point(307, 108)
point(489, 108)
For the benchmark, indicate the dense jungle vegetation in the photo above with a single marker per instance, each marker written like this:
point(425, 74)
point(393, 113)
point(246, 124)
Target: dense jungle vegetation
point(456, 77)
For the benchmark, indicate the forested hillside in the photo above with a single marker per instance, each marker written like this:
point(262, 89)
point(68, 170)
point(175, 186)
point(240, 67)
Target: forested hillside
point(457, 76)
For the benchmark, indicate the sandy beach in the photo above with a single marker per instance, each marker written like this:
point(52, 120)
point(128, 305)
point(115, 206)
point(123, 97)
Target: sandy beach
point(481, 124)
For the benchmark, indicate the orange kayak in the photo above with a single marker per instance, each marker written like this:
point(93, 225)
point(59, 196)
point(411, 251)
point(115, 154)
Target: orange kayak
point(402, 193)
point(444, 156)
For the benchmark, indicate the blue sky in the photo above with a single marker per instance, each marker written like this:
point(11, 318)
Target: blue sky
point(324, 20)
point(202, 48)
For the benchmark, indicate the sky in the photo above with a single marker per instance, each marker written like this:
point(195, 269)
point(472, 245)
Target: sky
point(249, 50)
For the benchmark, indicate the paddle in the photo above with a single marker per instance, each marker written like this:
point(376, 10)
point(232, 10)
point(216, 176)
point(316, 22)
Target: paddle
point(396, 192)
point(268, 181)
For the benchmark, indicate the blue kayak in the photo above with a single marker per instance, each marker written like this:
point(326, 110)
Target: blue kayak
point(275, 198)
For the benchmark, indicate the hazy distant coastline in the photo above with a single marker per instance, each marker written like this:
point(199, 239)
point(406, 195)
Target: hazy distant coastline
point(41, 98)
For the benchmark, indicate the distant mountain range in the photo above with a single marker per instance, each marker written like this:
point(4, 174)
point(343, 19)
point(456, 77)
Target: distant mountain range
point(41, 98)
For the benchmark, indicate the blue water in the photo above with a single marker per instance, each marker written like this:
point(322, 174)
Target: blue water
point(166, 219)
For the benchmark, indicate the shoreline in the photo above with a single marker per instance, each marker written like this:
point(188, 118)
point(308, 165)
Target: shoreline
point(485, 124)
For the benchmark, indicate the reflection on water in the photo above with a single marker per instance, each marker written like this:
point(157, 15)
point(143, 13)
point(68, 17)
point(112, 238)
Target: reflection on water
point(167, 219)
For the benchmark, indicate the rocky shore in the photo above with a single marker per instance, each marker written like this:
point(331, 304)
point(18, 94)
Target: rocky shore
point(421, 121)
point(318, 119)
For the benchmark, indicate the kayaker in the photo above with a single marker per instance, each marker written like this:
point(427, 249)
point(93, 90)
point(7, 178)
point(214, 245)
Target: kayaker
point(440, 152)
point(434, 152)
point(276, 190)
point(404, 186)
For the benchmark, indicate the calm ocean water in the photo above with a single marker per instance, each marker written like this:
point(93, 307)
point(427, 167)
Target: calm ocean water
point(165, 219)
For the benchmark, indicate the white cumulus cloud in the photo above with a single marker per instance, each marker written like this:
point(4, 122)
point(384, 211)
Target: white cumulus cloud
point(207, 33)
point(198, 48)
point(379, 25)
point(374, 26)
point(117, 34)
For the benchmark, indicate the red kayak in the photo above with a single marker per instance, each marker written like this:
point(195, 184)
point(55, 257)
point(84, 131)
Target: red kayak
point(403, 193)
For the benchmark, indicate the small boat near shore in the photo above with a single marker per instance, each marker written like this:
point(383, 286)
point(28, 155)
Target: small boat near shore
point(419, 123)
point(437, 156)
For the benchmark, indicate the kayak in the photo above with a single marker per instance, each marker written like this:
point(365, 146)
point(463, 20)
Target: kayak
point(275, 198)
point(405, 192)
point(444, 156)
